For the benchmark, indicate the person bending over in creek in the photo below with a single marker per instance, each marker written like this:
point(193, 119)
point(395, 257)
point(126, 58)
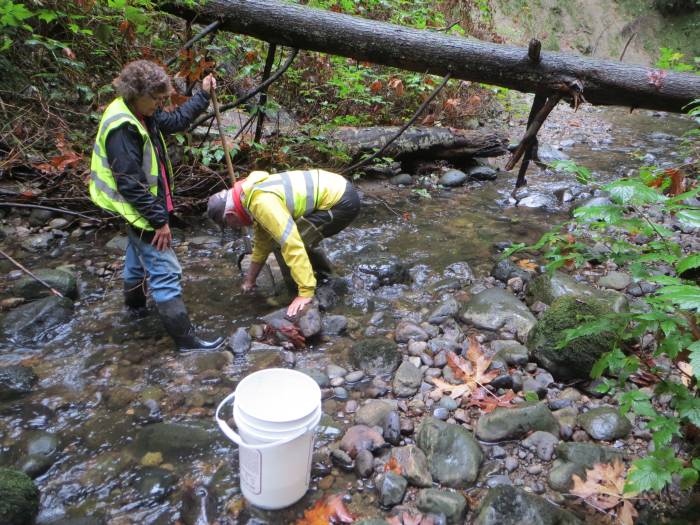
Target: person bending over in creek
point(131, 175)
point(295, 210)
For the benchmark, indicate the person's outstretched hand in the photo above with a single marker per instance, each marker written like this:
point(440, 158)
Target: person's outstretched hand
point(208, 83)
point(297, 305)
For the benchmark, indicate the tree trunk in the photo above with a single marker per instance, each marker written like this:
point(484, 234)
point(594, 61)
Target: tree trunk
point(604, 82)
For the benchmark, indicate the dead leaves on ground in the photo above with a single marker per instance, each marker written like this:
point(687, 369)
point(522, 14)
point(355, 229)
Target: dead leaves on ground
point(67, 158)
point(327, 511)
point(472, 371)
point(604, 490)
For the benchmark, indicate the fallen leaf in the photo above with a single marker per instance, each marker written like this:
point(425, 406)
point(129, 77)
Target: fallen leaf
point(528, 264)
point(450, 104)
point(677, 181)
point(328, 511)
point(472, 371)
point(376, 86)
point(396, 84)
point(393, 466)
point(627, 513)
point(488, 402)
point(604, 488)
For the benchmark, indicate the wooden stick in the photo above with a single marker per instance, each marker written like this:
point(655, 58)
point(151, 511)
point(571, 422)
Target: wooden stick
point(229, 164)
point(29, 272)
point(263, 94)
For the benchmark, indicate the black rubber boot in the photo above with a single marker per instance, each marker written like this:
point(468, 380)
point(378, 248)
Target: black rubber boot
point(176, 321)
point(135, 298)
point(322, 267)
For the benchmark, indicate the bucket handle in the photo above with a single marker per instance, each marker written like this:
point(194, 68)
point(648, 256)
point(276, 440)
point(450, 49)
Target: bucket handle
point(236, 438)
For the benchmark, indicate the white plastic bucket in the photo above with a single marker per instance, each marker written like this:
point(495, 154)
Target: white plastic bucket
point(276, 411)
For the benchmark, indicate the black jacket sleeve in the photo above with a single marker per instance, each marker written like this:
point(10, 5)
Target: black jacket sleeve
point(179, 120)
point(125, 154)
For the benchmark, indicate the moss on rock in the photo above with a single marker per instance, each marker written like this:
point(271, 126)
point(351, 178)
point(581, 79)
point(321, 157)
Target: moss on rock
point(576, 359)
point(19, 498)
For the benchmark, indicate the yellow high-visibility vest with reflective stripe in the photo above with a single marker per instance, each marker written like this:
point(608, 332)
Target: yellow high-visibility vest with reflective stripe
point(103, 186)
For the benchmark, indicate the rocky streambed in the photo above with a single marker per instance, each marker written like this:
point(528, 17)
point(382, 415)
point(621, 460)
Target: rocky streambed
point(114, 427)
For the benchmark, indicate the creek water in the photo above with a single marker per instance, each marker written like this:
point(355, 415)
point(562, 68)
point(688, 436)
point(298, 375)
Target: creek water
point(113, 391)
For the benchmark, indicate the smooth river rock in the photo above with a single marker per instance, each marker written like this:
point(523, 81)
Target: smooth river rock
point(32, 321)
point(546, 288)
point(497, 309)
point(451, 504)
point(414, 465)
point(605, 423)
point(407, 380)
point(442, 443)
point(513, 423)
point(507, 505)
point(62, 281)
point(375, 355)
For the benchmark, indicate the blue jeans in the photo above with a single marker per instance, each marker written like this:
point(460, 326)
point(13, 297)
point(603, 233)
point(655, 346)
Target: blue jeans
point(162, 268)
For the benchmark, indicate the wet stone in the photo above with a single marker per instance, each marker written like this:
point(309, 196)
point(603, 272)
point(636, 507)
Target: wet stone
point(375, 356)
point(605, 423)
point(155, 483)
point(335, 371)
point(317, 375)
point(511, 464)
point(364, 463)
point(334, 324)
point(513, 423)
point(33, 321)
point(15, 381)
point(337, 381)
point(354, 377)
point(407, 380)
point(542, 443)
point(392, 428)
point(240, 341)
point(391, 488)
point(510, 352)
point(505, 269)
point(496, 309)
point(401, 179)
point(406, 331)
point(506, 504)
point(309, 322)
point(442, 442)
point(340, 393)
point(342, 459)
point(361, 437)
point(615, 280)
point(414, 465)
point(198, 505)
point(453, 178)
point(60, 280)
point(435, 501)
point(441, 413)
point(560, 477)
point(446, 310)
point(20, 497)
point(483, 173)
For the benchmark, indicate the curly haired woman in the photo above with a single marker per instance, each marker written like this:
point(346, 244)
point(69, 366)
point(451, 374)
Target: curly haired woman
point(131, 175)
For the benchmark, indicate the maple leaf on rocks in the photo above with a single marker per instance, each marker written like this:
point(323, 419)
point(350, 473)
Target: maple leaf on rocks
point(327, 511)
point(472, 371)
point(604, 488)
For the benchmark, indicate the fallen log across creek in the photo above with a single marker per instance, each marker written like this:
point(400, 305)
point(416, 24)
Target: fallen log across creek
point(604, 82)
point(551, 76)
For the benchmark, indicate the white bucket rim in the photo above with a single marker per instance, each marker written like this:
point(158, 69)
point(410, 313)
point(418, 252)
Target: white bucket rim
point(282, 438)
point(256, 394)
point(272, 428)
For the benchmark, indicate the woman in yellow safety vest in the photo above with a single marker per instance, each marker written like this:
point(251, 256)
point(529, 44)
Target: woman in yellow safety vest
point(131, 175)
point(293, 209)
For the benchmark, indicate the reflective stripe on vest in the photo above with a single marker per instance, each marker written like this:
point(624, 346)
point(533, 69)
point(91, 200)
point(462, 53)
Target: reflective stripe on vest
point(103, 187)
point(300, 201)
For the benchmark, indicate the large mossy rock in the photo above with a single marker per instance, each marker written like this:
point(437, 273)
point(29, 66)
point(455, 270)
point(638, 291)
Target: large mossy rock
point(497, 309)
point(443, 443)
point(507, 505)
point(60, 280)
point(547, 288)
point(375, 355)
point(576, 359)
point(34, 320)
point(19, 498)
point(514, 423)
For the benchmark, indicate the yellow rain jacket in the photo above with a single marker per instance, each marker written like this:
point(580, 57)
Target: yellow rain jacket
point(275, 201)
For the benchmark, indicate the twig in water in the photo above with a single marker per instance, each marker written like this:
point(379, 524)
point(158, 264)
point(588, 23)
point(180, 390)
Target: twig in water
point(29, 272)
point(403, 128)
